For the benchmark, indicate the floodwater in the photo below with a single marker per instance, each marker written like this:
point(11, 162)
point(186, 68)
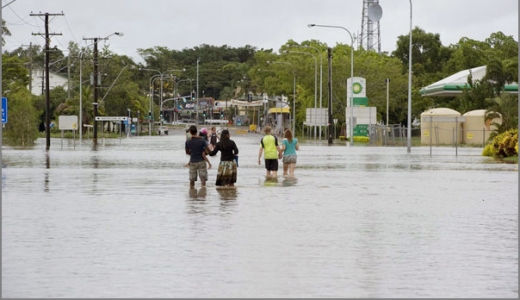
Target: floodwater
point(355, 222)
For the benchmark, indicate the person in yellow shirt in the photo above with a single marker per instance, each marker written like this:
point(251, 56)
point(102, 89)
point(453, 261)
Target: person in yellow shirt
point(269, 145)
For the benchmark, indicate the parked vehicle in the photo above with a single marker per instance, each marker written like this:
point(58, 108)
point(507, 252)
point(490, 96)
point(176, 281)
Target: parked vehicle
point(162, 130)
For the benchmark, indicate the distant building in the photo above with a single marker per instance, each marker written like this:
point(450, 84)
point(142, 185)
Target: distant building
point(38, 82)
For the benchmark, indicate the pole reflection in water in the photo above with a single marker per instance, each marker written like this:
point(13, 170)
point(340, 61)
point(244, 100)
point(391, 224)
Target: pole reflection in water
point(47, 167)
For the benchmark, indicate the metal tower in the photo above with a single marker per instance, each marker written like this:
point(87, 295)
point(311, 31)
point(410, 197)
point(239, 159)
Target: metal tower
point(370, 38)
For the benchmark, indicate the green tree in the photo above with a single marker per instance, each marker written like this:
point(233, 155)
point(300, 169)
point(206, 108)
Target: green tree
point(22, 126)
point(428, 53)
point(5, 31)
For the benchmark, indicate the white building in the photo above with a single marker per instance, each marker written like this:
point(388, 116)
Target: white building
point(38, 81)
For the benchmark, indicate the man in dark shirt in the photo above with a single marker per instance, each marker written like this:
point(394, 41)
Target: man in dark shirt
point(197, 148)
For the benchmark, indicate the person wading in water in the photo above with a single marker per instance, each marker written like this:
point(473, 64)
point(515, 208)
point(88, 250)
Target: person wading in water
point(227, 169)
point(197, 148)
point(269, 144)
point(289, 147)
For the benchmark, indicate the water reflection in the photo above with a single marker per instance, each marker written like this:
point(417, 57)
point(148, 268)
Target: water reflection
point(46, 182)
point(289, 181)
point(227, 193)
point(46, 175)
point(198, 194)
point(47, 160)
point(271, 181)
point(197, 201)
point(95, 162)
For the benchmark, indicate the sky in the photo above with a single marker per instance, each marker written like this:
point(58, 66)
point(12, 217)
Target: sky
point(266, 24)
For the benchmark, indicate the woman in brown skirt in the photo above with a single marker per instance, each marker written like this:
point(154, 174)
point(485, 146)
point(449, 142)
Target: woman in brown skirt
point(227, 169)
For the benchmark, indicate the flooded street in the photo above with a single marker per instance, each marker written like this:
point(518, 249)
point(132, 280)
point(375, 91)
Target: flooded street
point(355, 222)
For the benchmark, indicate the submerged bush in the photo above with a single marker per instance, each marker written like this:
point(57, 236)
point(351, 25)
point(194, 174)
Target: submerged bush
point(503, 145)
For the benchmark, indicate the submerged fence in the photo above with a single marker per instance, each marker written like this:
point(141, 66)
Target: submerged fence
point(430, 135)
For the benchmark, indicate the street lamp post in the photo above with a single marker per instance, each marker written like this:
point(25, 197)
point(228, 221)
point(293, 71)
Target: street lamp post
point(409, 134)
point(315, 81)
point(150, 111)
point(351, 76)
point(175, 90)
point(321, 78)
point(128, 123)
point(161, 88)
point(387, 80)
point(294, 93)
point(197, 109)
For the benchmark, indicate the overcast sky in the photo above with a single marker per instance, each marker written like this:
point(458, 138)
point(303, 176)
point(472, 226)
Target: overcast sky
point(261, 23)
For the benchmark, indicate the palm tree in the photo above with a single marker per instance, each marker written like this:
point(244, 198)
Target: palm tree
point(504, 107)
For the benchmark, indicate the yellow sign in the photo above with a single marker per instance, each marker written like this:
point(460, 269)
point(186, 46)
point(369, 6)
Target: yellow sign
point(469, 135)
point(426, 133)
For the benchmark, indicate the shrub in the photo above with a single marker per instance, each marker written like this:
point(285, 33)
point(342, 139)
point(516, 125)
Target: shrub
point(503, 145)
point(488, 150)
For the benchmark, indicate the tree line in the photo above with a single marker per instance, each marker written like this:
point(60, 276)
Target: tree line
point(227, 72)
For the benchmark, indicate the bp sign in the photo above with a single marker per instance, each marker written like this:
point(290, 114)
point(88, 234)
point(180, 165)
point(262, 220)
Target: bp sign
point(358, 86)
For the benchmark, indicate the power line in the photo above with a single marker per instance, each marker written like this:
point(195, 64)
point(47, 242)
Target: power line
point(22, 19)
point(70, 29)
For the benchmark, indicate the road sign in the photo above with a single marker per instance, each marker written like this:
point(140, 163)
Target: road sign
point(107, 118)
point(316, 117)
point(4, 110)
point(67, 122)
point(359, 84)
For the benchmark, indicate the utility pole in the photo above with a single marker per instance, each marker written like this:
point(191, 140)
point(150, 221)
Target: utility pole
point(387, 80)
point(95, 84)
point(68, 77)
point(329, 56)
point(47, 91)
point(197, 113)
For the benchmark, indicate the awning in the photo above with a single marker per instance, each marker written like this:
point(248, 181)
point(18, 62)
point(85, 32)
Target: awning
point(454, 85)
point(279, 110)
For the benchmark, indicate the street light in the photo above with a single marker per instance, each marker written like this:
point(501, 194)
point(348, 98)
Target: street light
point(409, 134)
point(319, 52)
point(197, 110)
point(294, 91)
point(351, 76)
point(150, 112)
point(128, 123)
point(175, 83)
point(161, 75)
point(315, 80)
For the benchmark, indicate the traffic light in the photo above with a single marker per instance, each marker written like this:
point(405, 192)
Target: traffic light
point(149, 115)
point(249, 97)
point(192, 95)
